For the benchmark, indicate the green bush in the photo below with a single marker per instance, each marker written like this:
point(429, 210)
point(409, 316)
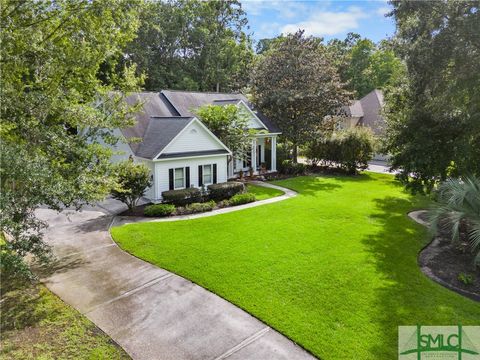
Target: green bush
point(159, 210)
point(349, 149)
point(222, 191)
point(240, 199)
point(132, 179)
point(182, 197)
point(288, 167)
point(201, 207)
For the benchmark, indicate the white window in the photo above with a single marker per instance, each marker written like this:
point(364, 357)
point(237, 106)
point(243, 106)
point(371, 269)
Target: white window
point(207, 174)
point(179, 178)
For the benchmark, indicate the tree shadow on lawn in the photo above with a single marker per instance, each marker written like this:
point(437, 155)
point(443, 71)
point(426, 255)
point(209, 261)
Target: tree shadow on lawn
point(406, 296)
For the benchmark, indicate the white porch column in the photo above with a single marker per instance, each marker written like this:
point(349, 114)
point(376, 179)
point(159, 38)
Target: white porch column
point(254, 156)
point(274, 154)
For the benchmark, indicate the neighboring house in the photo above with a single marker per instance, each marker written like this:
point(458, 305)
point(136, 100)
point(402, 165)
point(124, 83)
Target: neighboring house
point(181, 151)
point(367, 112)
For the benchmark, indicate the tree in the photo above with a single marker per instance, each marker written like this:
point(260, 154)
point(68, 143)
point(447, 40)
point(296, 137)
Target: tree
point(297, 86)
point(433, 111)
point(192, 45)
point(58, 108)
point(230, 125)
point(131, 182)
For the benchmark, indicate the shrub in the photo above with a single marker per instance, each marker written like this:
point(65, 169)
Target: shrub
point(350, 149)
point(240, 199)
point(222, 191)
point(159, 210)
point(201, 207)
point(467, 279)
point(288, 167)
point(131, 182)
point(182, 197)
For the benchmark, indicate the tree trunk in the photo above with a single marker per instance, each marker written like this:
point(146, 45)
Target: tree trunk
point(295, 153)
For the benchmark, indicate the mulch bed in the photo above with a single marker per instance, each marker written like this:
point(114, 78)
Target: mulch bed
point(136, 211)
point(445, 261)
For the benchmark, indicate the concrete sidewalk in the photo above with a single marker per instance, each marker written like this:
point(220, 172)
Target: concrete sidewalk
point(150, 312)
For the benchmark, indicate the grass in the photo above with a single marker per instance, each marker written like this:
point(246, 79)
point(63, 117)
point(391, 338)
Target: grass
point(262, 193)
point(35, 324)
point(335, 268)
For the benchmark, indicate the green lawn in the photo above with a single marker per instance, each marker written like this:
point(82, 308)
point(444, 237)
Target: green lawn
point(262, 192)
point(35, 324)
point(335, 268)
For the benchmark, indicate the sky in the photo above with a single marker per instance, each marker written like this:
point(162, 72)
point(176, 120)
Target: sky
point(328, 19)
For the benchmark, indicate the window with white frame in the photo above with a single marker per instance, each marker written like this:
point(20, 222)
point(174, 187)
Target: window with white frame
point(207, 174)
point(179, 178)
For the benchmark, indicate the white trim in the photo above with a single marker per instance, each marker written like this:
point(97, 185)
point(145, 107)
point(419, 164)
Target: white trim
point(251, 112)
point(174, 179)
point(194, 119)
point(188, 157)
point(267, 135)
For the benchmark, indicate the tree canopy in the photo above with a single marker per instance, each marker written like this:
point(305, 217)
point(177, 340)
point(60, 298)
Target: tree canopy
point(60, 102)
point(296, 85)
point(433, 111)
point(192, 45)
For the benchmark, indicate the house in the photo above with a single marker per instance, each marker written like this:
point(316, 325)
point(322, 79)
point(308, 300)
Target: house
point(181, 151)
point(366, 112)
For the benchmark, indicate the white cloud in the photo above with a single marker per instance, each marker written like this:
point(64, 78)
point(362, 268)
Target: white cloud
point(383, 10)
point(324, 23)
point(282, 9)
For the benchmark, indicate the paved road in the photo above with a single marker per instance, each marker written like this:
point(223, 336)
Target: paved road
point(150, 312)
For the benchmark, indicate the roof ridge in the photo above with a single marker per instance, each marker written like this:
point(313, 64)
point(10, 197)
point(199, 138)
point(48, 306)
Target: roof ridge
point(203, 92)
point(171, 117)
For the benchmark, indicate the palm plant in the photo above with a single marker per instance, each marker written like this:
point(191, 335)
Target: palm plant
point(458, 209)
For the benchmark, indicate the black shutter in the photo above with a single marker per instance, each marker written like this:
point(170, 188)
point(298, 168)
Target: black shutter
point(170, 179)
point(187, 177)
point(200, 175)
point(214, 173)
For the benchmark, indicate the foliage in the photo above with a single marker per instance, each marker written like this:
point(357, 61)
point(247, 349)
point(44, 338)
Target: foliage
point(54, 330)
point(230, 125)
point(343, 241)
point(458, 209)
point(296, 85)
point(159, 210)
point(192, 45)
point(433, 110)
point(288, 167)
point(200, 207)
point(58, 107)
point(467, 279)
point(363, 65)
point(132, 180)
point(240, 199)
point(351, 149)
point(225, 190)
point(182, 197)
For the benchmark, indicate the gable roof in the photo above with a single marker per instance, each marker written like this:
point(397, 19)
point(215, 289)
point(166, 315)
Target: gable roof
point(186, 101)
point(369, 110)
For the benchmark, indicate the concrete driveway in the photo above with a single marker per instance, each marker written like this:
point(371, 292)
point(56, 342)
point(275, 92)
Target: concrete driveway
point(150, 312)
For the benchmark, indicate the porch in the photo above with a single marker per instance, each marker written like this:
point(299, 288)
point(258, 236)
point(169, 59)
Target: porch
point(262, 158)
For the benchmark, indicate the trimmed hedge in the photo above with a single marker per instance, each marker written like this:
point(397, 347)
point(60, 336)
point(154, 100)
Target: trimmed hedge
point(288, 167)
point(222, 191)
point(182, 197)
point(240, 199)
point(159, 210)
point(200, 207)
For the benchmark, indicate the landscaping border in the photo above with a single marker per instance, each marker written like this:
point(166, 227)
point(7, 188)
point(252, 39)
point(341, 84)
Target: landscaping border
point(415, 216)
point(288, 193)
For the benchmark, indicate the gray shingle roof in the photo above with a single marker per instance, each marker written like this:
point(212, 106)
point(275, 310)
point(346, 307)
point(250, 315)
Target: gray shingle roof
point(165, 114)
point(185, 102)
point(369, 110)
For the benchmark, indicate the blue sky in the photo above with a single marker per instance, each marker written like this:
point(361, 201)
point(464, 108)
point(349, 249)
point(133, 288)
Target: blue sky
point(329, 19)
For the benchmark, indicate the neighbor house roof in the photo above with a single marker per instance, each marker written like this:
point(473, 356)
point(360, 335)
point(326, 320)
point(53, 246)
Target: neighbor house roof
point(369, 110)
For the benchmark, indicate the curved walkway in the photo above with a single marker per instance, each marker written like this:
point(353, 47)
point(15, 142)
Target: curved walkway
point(150, 312)
point(428, 252)
point(123, 220)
